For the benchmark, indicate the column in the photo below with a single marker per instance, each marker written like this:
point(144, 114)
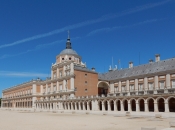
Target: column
point(34, 93)
point(156, 82)
point(109, 106)
point(51, 89)
point(57, 73)
point(146, 106)
point(145, 83)
point(57, 86)
point(84, 106)
point(121, 105)
point(155, 106)
point(75, 106)
point(136, 85)
point(137, 106)
point(72, 108)
point(64, 84)
point(166, 106)
point(79, 105)
point(119, 85)
point(129, 106)
point(127, 85)
point(115, 106)
point(167, 81)
point(88, 107)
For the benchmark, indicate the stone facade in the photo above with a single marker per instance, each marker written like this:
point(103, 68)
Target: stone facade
point(72, 86)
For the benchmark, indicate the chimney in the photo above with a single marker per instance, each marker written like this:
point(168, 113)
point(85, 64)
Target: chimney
point(93, 69)
point(157, 57)
point(151, 61)
point(130, 64)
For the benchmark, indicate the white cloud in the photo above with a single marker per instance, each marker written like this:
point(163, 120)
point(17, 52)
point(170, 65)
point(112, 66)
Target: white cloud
point(119, 27)
point(21, 74)
point(74, 26)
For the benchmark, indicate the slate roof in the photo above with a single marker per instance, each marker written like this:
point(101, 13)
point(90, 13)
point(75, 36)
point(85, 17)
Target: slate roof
point(146, 69)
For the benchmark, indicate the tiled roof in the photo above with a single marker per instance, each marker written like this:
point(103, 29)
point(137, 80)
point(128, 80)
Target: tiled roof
point(151, 68)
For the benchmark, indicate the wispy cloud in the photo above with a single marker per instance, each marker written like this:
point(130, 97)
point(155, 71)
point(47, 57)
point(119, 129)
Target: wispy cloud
point(74, 26)
point(21, 74)
point(107, 29)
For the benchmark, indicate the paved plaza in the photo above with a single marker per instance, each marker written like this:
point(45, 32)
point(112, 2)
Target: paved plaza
point(25, 120)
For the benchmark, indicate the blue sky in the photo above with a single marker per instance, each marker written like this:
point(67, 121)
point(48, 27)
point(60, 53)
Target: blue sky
point(33, 32)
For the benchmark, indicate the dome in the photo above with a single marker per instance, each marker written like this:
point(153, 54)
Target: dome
point(68, 52)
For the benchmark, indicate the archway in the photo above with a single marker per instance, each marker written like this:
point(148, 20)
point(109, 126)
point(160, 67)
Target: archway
point(73, 105)
point(85, 104)
point(103, 88)
point(90, 105)
point(106, 105)
point(112, 105)
point(172, 104)
point(151, 105)
point(118, 105)
point(161, 105)
point(81, 105)
point(125, 105)
point(100, 105)
point(70, 106)
point(77, 106)
point(133, 105)
point(142, 105)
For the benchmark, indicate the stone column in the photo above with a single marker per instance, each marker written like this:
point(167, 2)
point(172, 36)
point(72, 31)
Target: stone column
point(41, 86)
point(137, 106)
point(115, 106)
point(109, 106)
point(127, 85)
point(155, 82)
point(145, 83)
point(129, 106)
point(64, 84)
point(155, 106)
point(33, 93)
point(166, 106)
point(136, 85)
point(72, 108)
point(146, 106)
point(121, 105)
point(79, 105)
point(76, 106)
point(88, 107)
point(84, 106)
point(167, 81)
point(57, 73)
point(119, 85)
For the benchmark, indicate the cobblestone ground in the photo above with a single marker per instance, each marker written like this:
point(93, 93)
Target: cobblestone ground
point(23, 120)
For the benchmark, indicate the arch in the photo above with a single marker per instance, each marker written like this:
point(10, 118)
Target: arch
point(171, 103)
point(90, 105)
point(111, 105)
point(105, 105)
point(85, 105)
point(100, 105)
point(161, 104)
point(125, 104)
point(103, 88)
point(73, 104)
point(81, 105)
point(70, 105)
point(133, 104)
point(77, 105)
point(118, 103)
point(141, 104)
point(151, 105)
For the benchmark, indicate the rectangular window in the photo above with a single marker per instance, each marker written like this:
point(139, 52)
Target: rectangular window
point(162, 84)
point(61, 87)
point(131, 87)
point(141, 87)
point(173, 83)
point(116, 89)
point(123, 88)
point(150, 85)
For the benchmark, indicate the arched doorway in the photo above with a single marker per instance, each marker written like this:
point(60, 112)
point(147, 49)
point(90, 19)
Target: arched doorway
point(142, 105)
point(81, 105)
point(70, 106)
point(118, 105)
point(103, 88)
point(77, 106)
point(100, 105)
point(151, 105)
point(85, 104)
point(112, 105)
point(133, 105)
point(172, 104)
point(106, 105)
point(125, 105)
point(161, 105)
point(73, 105)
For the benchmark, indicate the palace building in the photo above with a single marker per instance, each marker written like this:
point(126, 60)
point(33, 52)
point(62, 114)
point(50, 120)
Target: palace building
point(72, 86)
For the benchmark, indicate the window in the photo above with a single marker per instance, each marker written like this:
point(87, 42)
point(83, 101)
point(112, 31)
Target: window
point(85, 90)
point(69, 58)
point(62, 58)
point(54, 88)
point(60, 74)
point(140, 86)
point(116, 89)
point(173, 83)
point(162, 84)
point(86, 82)
point(123, 88)
point(131, 87)
point(85, 74)
point(48, 89)
point(61, 87)
point(150, 85)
